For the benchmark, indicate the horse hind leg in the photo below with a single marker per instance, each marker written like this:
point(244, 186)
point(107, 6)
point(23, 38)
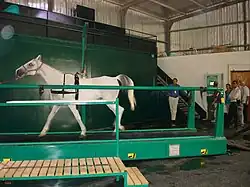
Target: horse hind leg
point(121, 110)
point(51, 115)
point(78, 119)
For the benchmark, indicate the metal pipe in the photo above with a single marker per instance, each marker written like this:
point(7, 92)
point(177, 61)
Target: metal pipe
point(206, 48)
point(208, 9)
point(33, 86)
point(211, 26)
point(245, 24)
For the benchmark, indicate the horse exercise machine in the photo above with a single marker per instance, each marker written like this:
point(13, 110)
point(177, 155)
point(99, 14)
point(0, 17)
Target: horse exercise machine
point(126, 145)
point(168, 143)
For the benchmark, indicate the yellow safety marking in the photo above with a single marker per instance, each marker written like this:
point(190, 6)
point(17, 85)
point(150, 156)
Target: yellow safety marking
point(132, 155)
point(204, 151)
point(6, 160)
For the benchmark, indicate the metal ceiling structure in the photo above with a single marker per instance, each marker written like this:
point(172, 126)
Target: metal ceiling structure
point(173, 10)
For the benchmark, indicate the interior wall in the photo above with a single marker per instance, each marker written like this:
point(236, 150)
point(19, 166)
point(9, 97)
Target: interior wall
point(191, 70)
point(213, 36)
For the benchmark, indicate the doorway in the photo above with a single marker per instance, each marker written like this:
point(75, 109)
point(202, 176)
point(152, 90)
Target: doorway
point(243, 76)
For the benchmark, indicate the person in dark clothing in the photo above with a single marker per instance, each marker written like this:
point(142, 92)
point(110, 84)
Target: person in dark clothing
point(235, 97)
point(227, 103)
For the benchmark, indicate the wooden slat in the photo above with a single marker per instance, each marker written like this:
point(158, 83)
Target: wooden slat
point(17, 164)
point(43, 171)
point(120, 164)
point(51, 171)
point(53, 163)
point(113, 165)
point(99, 169)
point(91, 169)
point(133, 176)
point(39, 163)
point(97, 161)
point(2, 164)
point(19, 172)
point(59, 171)
point(82, 162)
point(67, 170)
point(140, 176)
point(38, 166)
point(75, 170)
point(52, 168)
point(10, 172)
point(68, 162)
point(90, 162)
point(27, 171)
point(83, 170)
point(75, 162)
point(2, 172)
point(60, 163)
point(104, 161)
point(107, 169)
point(9, 164)
point(130, 181)
point(46, 163)
point(32, 163)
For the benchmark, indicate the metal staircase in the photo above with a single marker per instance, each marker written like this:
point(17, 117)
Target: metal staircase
point(163, 79)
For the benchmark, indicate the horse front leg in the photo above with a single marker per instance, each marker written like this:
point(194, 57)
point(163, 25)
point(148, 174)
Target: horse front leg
point(52, 114)
point(78, 119)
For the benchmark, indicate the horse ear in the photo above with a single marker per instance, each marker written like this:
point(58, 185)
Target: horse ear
point(39, 57)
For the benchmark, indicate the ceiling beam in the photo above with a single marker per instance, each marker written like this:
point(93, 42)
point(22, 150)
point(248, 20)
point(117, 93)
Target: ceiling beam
point(167, 6)
point(198, 4)
point(131, 3)
point(147, 13)
point(207, 9)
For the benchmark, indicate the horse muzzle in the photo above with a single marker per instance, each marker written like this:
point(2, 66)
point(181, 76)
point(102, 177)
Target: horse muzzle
point(19, 73)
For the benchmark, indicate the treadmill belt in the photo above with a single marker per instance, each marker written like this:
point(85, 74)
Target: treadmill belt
point(96, 136)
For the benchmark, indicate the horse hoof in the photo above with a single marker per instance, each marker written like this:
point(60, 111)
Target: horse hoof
point(42, 135)
point(82, 136)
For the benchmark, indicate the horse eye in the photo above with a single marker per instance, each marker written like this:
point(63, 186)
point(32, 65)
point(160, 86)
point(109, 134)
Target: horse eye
point(31, 64)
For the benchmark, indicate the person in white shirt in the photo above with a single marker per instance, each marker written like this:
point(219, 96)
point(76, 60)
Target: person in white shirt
point(244, 101)
point(234, 97)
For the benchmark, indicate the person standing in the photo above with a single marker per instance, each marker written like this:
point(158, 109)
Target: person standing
point(244, 101)
point(214, 101)
point(234, 97)
point(227, 99)
point(173, 101)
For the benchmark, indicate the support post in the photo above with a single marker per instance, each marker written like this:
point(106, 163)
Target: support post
point(167, 27)
point(51, 4)
point(191, 112)
point(123, 13)
point(117, 132)
point(84, 46)
point(219, 129)
point(244, 7)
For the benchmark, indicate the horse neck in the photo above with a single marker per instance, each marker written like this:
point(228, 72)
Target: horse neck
point(50, 75)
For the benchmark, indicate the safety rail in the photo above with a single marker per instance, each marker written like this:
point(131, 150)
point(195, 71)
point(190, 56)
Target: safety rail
point(219, 130)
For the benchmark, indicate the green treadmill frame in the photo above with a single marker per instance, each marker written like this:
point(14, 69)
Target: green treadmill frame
point(126, 149)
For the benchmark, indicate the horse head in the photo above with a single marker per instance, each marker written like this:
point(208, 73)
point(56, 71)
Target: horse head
point(30, 68)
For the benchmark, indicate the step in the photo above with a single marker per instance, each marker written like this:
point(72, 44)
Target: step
point(135, 178)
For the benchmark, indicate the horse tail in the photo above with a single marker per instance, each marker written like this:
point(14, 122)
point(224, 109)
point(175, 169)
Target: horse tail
point(126, 81)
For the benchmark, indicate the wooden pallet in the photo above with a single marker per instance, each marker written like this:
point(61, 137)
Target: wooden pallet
point(61, 167)
point(135, 177)
point(70, 167)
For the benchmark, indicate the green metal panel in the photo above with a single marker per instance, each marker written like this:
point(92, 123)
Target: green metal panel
point(188, 147)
